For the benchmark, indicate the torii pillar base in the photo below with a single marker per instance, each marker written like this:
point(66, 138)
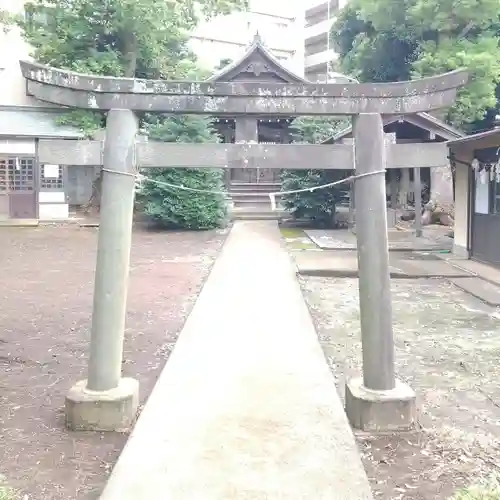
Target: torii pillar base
point(380, 411)
point(114, 410)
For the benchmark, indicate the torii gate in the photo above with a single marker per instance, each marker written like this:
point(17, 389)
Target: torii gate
point(106, 401)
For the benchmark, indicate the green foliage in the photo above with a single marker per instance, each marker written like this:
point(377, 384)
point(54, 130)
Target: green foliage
point(7, 20)
point(141, 39)
point(488, 491)
point(132, 38)
point(175, 208)
point(223, 63)
point(318, 206)
point(6, 493)
point(394, 40)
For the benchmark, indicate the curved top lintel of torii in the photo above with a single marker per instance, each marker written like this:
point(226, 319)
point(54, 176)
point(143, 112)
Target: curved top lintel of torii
point(68, 88)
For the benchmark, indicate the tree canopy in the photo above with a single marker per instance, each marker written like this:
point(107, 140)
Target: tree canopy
point(130, 38)
point(394, 40)
point(143, 39)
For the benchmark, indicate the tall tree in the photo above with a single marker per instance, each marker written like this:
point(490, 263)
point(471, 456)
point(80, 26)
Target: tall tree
point(402, 39)
point(132, 38)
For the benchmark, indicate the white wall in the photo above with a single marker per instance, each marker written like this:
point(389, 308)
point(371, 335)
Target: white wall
point(13, 48)
point(461, 226)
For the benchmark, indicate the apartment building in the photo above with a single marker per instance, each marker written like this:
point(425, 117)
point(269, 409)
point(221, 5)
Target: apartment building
point(320, 15)
point(280, 24)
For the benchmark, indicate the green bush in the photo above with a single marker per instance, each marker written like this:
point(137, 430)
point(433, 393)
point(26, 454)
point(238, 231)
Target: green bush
point(319, 206)
point(174, 208)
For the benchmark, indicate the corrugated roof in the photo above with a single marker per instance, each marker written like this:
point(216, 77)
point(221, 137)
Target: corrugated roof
point(34, 122)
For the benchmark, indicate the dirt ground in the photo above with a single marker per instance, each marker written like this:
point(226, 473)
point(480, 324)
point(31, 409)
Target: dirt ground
point(46, 286)
point(447, 349)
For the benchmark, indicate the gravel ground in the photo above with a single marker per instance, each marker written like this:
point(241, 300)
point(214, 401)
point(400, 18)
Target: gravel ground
point(447, 349)
point(46, 286)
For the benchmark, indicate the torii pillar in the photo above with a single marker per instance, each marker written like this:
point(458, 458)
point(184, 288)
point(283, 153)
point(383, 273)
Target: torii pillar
point(106, 401)
point(377, 401)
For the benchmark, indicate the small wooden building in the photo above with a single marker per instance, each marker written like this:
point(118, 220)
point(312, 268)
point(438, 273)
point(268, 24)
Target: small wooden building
point(418, 128)
point(257, 64)
point(476, 160)
point(28, 190)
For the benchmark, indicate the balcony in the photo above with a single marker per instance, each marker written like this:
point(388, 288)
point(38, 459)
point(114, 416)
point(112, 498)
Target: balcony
point(318, 7)
point(314, 33)
point(316, 61)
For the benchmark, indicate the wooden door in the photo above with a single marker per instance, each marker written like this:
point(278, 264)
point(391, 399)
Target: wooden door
point(17, 188)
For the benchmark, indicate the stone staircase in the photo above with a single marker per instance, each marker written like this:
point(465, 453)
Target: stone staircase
point(251, 201)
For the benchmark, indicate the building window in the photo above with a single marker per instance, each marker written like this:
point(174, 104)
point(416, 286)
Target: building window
point(17, 174)
point(482, 194)
point(51, 177)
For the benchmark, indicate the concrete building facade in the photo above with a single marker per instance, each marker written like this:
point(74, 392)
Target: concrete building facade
point(320, 15)
point(280, 24)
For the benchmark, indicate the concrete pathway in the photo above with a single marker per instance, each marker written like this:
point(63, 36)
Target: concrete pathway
point(246, 407)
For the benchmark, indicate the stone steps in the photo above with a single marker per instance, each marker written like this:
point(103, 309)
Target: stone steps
point(267, 187)
point(257, 213)
point(251, 201)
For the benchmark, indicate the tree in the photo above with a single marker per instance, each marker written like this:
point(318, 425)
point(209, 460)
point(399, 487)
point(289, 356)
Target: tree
point(318, 206)
point(394, 40)
point(391, 40)
point(175, 208)
point(223, 63)
point(128, 38)
point(7, 19)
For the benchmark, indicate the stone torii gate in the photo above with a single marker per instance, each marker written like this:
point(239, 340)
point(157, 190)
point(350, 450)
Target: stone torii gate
point(105, 400)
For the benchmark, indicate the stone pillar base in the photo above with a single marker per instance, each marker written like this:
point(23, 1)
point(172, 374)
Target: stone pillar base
point(113, 410)
point(379, 411)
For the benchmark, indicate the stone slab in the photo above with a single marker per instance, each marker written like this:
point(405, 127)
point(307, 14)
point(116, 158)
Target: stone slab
point(479, 288)
point(19, 222)
point(246, 407)
point(330, 263)
point(431, 269)
point(483, 271)
point(380, 411)
point(398, 240)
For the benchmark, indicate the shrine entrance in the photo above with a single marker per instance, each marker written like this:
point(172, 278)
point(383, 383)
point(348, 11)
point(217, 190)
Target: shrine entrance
point(256, 65)
point(377, 400)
